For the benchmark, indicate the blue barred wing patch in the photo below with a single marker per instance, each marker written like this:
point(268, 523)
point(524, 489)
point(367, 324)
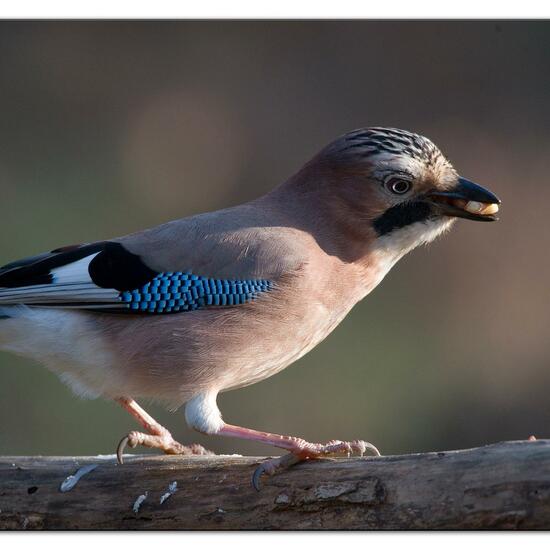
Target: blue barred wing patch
point(172, 292)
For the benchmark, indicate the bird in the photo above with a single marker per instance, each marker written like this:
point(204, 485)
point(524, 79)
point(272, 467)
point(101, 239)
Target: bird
point(220, 300)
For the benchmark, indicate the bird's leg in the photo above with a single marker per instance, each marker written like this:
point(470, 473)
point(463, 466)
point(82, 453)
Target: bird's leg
point(202, 413)
point(158, 436)
point(299, 449)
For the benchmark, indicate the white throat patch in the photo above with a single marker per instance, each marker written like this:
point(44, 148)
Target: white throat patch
point(390, 248)
point(403, 240)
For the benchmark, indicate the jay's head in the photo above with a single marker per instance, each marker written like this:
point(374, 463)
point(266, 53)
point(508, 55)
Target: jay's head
point(399, 187)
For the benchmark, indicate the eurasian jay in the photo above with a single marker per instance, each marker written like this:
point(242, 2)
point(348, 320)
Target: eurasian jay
point(221, 300)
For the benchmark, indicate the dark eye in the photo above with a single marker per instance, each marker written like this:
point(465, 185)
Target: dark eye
point(398, 186)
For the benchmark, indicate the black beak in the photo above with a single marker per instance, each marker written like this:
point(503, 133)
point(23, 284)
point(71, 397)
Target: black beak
point(466, 200)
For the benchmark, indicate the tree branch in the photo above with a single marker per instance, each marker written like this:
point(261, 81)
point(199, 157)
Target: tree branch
point(502, 486)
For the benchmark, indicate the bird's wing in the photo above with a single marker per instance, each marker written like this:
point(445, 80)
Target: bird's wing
point(173, 268)
point(106, 276)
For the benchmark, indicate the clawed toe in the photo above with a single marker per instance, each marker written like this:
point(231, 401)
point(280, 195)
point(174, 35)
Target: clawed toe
point(366, 446)
point(197, 449)
point(307, 451)
point(163, 441)
point(336, 447)
point(120, 449)
point(272, 466)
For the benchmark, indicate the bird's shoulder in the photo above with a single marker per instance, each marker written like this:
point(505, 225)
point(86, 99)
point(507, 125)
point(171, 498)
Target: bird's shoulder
point(244, 241)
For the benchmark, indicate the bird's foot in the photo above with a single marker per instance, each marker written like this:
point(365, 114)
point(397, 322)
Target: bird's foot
point(162, 440)
point(157, 438)
point(303, 450)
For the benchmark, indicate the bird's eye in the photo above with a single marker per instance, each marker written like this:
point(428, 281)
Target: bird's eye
point(398, 186)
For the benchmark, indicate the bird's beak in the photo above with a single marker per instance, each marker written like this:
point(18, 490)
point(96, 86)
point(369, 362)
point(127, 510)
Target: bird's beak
point(466, 200)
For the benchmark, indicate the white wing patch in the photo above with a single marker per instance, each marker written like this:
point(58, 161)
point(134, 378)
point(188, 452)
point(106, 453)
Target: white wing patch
point(75, 272)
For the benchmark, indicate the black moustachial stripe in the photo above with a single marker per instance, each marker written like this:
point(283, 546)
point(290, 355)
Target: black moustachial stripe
point(116, 267)
point(401, 215)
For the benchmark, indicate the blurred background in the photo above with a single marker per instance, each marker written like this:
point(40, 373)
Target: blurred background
point(110, 127)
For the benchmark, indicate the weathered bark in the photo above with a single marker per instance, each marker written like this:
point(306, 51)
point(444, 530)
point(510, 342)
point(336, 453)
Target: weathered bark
point(503, 486)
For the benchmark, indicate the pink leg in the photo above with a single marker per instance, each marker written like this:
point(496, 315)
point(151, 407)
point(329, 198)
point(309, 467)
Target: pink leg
point(299, 449)
point(158, 437)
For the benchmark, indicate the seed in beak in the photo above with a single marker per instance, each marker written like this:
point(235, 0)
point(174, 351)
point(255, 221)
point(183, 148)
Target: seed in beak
point(473, 207)
point(482, 208)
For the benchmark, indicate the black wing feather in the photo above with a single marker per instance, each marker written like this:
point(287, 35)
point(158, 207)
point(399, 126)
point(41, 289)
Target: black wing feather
point(113, 267)
point(36, 270)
